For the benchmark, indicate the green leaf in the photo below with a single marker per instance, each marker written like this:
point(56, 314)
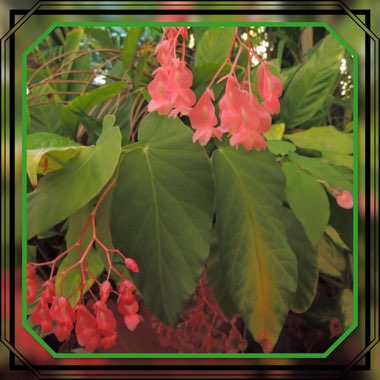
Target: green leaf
point(322, 171)
point(72, 44)
point(259, 266)
point(312, 83)
point(216, 279)
point(203, 74)
point(44, 117)
point(307, 262)
point(331, 259)
point(337, 159)
point(130, 45)
point(162, 213)
point(276, 132)
point(100, 38)
point(39, 140)
point(70, 114)
point(213, 46)
point(346, 308)
point(324, 139)
point(308, 200)
point(61, 193)
point(280, 147)
point(46, 160)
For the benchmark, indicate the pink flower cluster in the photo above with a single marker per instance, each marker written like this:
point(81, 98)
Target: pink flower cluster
point(170, 88)
point(93, 330)
point(241, 115)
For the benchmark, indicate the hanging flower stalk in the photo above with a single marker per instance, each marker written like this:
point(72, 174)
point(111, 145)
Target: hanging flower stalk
point(54, 313)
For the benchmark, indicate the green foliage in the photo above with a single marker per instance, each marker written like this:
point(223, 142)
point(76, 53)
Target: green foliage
point(161, 213)
point(265, 224)
point(312, 83)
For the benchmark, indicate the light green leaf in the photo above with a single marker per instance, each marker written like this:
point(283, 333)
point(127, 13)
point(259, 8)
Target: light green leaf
point(308, 200)
point(322, 171)
point(61, 193)
point(331, 259)
point(46, 160)
point(280, 147)
point(71, 112)
point(39, 140)
point(213, 46)
point(276, 132)
point(337, 159)
point(161, 213)
point(128, 54)
point(307, 262)
point(324, 139)
point(312, 83)
point(259, 266)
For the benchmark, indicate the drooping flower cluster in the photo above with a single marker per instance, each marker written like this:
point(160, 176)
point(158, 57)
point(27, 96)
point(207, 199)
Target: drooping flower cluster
point(170, 88)
point(203, 326)
point(242, 115)
point(55, 314)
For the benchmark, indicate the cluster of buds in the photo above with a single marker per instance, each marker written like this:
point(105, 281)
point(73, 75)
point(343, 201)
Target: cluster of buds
point(203, 327)
point(242, 115)
point(55, 314)
point(170, 88)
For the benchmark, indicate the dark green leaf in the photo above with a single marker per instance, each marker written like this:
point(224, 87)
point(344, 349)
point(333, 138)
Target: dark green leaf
point(308, 200)
point(162, 213)
point(307, 262)
point(213, 46)
point(128, 54)
point(312, 83)
point(259, 266)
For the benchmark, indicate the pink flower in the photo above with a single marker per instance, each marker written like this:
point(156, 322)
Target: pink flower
point(243, 117)
point(31, 290)
point(86, 329)
point(41, 316)
point(49, 292)
point(61, 311)
point(203, 119)
point(62, 332)
point(269, 87)
point(105, 290)
point(164, 52)
point(105, 319)
point(344, 199)
point(131, 265)
point(132, 320)
point(160, 92)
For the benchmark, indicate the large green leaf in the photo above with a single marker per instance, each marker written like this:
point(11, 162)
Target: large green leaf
point(260, 268)
point(71, 113)
point(324, 139)
point(63, 192)
point(213, 46)
point(308, 200)
point(162, 213)
point(331, 258)
point(68, 284)
point(130, 45)
point(307, 260)
point(322, 171)
point(216, 279)
point(312, 83)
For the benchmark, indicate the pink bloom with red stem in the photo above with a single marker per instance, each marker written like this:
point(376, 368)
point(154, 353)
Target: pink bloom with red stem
point(343, 198)
point(269, 87)
point(203, 119)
